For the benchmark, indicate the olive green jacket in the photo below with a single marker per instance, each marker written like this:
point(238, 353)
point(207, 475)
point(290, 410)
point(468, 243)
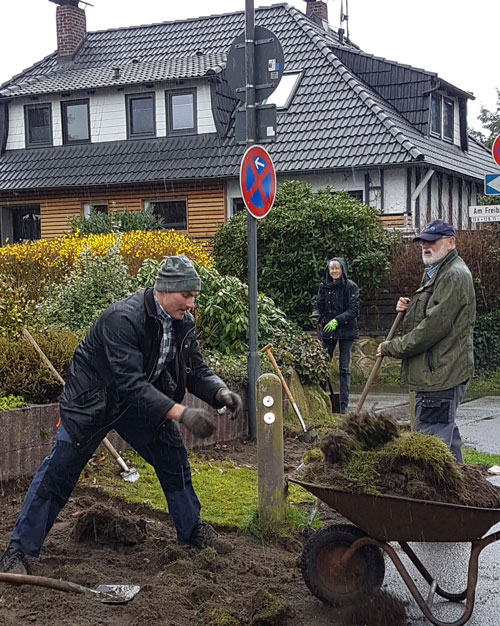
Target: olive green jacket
point(437, 341)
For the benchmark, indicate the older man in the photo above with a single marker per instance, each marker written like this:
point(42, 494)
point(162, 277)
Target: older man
point(130, 373)
point(436, 346)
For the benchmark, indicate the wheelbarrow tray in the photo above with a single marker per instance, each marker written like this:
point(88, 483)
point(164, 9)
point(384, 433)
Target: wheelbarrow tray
point(394, 518)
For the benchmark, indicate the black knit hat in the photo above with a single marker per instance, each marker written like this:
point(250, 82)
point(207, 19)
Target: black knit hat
point(177, 274)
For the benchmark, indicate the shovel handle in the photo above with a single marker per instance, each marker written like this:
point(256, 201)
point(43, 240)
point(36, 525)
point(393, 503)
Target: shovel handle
point(270, 356)
point(42, 581)
point(378, 363)
point(29, 338)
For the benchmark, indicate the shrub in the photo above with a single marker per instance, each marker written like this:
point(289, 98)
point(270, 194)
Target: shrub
point(22, 371)
point(39, 265)
point(10, 402)
point(222, 319)
point(115, 222)
point(303, 230)
point(15, 308)
point(480, 249)
point(94, 284)
point(487, 342)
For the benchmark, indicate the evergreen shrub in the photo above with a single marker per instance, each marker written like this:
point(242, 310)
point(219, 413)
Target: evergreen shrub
point(22, 372)
point(94, 283)
point(222, 319)
point(122, 221)
point(304, 229)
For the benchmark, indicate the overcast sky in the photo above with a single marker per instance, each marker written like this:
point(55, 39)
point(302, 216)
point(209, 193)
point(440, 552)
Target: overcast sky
point(457, 39)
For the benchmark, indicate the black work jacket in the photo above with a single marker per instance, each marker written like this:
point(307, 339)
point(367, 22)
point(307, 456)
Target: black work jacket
point(112, 369)
point(340, 301)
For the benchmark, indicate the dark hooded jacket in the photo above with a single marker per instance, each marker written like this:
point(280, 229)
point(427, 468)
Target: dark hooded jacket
point(338, 300)
point(112, 369)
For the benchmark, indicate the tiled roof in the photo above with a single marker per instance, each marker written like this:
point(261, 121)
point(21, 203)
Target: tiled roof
point(335, 121)
point(71, 79)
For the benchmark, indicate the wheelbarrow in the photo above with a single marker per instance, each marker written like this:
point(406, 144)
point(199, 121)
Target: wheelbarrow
point(342, 562)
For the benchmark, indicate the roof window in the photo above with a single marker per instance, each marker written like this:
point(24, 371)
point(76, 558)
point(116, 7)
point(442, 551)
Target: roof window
point(283, 94)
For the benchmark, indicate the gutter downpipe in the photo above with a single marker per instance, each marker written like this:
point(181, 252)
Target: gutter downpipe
point(417, 191)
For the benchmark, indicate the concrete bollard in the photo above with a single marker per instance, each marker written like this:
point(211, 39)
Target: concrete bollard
point(270, 464)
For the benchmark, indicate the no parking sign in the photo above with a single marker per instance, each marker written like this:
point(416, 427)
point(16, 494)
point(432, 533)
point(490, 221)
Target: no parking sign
point(258, 181)
point(496, 150)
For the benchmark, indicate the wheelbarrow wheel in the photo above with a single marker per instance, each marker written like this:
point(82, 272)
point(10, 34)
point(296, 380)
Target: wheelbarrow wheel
point(333, 582)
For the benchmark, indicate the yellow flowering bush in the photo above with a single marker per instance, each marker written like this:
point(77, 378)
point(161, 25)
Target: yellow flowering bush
point(39, 264)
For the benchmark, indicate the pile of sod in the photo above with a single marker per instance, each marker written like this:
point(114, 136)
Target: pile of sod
point(367, 453)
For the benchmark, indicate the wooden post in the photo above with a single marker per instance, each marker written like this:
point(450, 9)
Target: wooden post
point(270, 464)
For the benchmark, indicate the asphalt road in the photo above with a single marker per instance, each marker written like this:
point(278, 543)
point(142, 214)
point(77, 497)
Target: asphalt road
point(479, 422)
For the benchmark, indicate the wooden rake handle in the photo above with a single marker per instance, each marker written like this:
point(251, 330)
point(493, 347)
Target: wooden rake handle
point(270, 356)
point(29, 338)
point(378, 363)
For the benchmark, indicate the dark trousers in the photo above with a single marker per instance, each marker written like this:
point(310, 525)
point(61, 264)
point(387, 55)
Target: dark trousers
point(58, 474)
point(435, 413)
point(345, 346)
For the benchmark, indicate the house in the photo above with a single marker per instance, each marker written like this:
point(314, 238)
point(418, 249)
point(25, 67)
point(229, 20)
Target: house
point(144, 116)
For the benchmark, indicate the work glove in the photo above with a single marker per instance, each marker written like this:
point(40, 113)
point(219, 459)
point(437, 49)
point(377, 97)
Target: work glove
point(231, 400)
point(198, 422)
point(331, 326)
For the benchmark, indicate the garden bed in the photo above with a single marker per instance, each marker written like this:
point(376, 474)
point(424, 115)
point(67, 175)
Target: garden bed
point(28, 434)
point(179, 586)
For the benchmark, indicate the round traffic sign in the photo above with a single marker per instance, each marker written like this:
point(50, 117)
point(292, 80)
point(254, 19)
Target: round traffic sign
point(496, 150)
point(257, 181)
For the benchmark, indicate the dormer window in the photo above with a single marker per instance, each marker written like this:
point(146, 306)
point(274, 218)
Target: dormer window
point(141, 115)
point(442, 117)
point(181, 112)
point(38, 125)
point(75, 122)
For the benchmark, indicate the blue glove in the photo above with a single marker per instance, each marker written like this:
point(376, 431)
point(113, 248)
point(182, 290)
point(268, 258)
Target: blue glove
point(331, 326)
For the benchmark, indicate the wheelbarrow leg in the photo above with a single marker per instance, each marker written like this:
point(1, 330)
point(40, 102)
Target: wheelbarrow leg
point(426, 608)
point(468, 594)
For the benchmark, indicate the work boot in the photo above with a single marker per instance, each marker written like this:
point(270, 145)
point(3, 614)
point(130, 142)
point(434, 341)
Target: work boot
point(204, 536)
point(14, 561)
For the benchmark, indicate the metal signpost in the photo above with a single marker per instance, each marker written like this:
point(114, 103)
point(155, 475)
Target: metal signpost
point(258, 52)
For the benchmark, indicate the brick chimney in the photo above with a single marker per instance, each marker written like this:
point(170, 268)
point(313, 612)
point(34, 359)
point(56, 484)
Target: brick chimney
point(71, 24)
point(317, 9)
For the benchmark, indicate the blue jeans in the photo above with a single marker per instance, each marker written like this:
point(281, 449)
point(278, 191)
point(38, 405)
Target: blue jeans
point(435, 413)
point(58, 474)
point(345, 346)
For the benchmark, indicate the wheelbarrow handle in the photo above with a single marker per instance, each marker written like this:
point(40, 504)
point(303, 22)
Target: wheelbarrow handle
point(378, 363)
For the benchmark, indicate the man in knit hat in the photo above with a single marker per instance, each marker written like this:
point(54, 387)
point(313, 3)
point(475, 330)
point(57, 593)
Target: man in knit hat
point(130, 373)
point(437, 344)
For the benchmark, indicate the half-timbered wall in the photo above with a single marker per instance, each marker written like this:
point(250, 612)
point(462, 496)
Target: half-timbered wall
point(445, 197)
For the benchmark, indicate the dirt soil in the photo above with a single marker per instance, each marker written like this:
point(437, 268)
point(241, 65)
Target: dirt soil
point(99, 540)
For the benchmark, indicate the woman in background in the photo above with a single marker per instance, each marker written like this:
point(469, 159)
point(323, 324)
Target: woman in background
point(337, 310)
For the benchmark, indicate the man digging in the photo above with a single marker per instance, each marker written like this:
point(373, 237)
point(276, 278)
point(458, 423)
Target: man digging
point(130, 373)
